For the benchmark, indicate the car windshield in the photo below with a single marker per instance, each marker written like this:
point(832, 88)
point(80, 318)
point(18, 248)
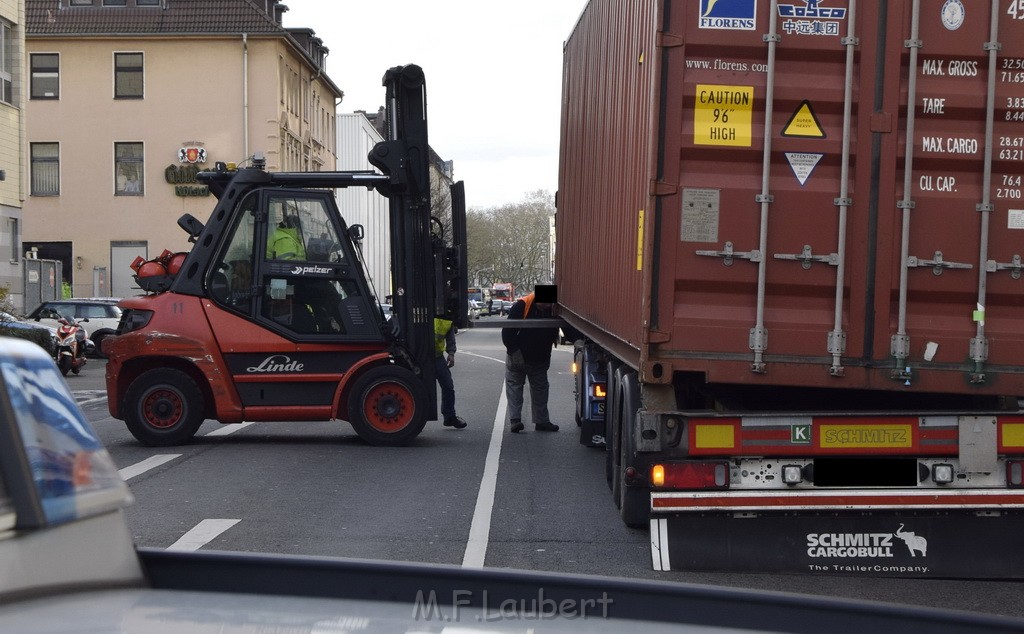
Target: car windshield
point(755, 375)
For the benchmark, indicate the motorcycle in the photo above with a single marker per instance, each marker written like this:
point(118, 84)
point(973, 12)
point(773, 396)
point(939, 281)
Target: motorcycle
point(72, 340)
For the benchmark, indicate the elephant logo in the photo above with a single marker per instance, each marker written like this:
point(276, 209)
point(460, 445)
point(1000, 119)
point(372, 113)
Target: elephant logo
point(913, 541)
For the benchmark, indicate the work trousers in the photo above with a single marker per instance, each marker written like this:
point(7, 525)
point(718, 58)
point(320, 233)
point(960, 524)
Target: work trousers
point(517, 372)
point(444, 378)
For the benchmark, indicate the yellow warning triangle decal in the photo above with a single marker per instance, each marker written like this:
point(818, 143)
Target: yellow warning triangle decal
point(804, 123)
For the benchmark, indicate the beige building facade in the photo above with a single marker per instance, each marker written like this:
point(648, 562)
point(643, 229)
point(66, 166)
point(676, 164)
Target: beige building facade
point(128, 99)
point(12, 130)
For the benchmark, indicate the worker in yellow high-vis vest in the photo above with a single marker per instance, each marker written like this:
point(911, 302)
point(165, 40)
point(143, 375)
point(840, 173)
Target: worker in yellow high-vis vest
point(444, 343)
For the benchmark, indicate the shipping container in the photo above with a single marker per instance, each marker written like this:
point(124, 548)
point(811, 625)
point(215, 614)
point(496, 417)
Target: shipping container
point(779, 220)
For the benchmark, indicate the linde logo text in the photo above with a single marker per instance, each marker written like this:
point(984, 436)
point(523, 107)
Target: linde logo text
point(277, 363)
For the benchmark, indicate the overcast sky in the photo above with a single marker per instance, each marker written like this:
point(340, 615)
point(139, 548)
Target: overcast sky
point(493, 72)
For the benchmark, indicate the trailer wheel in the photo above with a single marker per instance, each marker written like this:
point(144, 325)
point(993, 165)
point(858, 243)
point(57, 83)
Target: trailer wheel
point(634, 502)
point(386, 406)
point(163, 407)
point(611, 418)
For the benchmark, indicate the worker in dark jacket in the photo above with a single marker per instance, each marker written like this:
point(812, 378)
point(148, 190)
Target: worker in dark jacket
point(529, 357)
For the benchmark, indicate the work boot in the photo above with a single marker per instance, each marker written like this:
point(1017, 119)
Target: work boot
point(455, 422)
point(546, 427)
point(517, 425)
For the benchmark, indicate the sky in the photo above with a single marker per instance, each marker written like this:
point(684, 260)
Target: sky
point(493, 70)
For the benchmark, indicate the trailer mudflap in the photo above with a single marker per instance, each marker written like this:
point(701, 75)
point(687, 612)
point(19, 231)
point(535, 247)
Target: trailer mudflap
point(592, 433)
point(935, 544)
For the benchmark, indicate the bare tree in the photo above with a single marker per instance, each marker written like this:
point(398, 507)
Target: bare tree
point(511, 243)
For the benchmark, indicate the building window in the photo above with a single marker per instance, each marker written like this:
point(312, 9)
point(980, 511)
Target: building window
point(83, 3)
point(15, 242)
point(147, 3)
point(45, 158)
point(128, 75)
point(115, 3)
point(128, 169)
point(7, 53)
point(45, 75)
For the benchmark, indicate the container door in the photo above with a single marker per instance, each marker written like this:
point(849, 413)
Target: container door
point(843, 216)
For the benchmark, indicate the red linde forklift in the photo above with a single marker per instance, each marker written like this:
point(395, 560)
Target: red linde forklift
point(270, 316)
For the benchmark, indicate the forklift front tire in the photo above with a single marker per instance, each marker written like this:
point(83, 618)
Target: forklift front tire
point(386, 406)
point(163, 407)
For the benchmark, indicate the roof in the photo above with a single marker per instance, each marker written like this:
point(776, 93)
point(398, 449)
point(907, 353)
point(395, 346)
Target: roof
point(55, 18)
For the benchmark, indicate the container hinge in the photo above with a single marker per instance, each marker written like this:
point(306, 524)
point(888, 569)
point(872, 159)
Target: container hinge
point(900, 349)
point(670, 40)
point(661, 188)
point(850, 41)
point(937, 264)
point(985, 207)
point(979, 349)
point(906, 204)
point(979, 354)
point(758, 343)
point(764, 198)
point(727, 254)
point(913, 43)
point(768, 38)
point(807, 257)
point(1014, 266)
point(842, 202)
point(656, 336)
point(992, 46)
point(836, 342)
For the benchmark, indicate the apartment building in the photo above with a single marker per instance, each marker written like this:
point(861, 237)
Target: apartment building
point(127, 100)
point(12, 193)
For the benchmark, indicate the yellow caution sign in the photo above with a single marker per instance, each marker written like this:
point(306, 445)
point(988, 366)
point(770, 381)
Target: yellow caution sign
point(722, 115)
point(804, 123)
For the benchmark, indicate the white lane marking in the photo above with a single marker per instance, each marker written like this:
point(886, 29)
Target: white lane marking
point(481, 356)
point(480, 528)
point(224, 430)
point(203, 533)
point(151, 462)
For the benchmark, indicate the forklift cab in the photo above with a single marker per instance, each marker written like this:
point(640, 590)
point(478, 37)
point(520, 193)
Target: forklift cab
point(287, 264)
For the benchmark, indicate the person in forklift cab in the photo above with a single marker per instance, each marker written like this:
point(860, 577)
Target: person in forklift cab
point(444, 342)
point(285, 242)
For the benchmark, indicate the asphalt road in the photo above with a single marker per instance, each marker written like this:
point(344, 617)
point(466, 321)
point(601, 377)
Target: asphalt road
point(535, 501)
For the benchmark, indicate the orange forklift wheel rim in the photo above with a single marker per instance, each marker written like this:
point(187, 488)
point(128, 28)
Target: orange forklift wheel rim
point(163, 408)
point(389, 407)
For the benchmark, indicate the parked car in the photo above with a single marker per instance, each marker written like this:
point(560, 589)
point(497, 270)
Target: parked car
point(13, 322)
point(98, 315)
point(474, 309)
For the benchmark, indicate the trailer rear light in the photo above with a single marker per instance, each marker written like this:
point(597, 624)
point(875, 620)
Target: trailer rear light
point(942, 473)
point(600, 391)
point(575, 368)
point(1015, 473)
point(691, 475)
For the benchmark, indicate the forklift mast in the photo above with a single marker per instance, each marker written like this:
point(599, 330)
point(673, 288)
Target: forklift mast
point(405, 156)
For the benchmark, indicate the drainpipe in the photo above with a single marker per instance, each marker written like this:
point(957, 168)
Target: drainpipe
point(245, 94)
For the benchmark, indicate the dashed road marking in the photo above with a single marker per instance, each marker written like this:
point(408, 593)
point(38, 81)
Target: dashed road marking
point(203, 533)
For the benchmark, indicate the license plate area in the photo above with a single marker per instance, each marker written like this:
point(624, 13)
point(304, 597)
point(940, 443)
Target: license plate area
point(842, 472)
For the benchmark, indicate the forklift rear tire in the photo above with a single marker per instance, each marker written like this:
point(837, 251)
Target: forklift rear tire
point(163, 407)
point(386, 406)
